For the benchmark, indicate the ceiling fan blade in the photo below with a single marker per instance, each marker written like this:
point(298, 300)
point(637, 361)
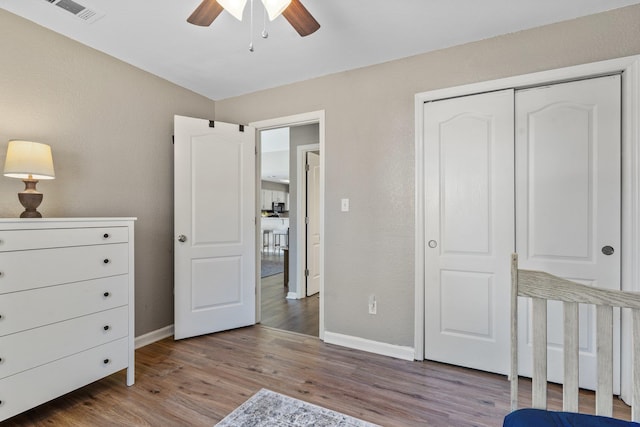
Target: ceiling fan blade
point(205, 13)
point(300, 18)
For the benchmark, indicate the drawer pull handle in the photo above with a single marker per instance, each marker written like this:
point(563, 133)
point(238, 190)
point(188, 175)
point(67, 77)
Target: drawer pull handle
point(106, 327)
point(106, 294)
point(106, 361)
point(105, 235)
point(106, 261)
point(1, 317)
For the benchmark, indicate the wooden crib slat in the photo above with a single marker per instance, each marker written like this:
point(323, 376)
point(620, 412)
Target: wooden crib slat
point(540, 287)
point(571, 358)
point(635, 407)
point(513, 374)
point(539, 381)
point(604, 343)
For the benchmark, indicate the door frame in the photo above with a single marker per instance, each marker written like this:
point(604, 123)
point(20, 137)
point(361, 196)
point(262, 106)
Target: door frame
point(295, 120)
point(629, 67)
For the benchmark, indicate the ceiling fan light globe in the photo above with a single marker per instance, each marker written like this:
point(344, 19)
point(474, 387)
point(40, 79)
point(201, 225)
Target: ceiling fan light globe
point(234, 7)
point(275, 7)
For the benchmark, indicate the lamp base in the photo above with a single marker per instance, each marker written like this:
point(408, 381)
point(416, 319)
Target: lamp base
point(30, 198)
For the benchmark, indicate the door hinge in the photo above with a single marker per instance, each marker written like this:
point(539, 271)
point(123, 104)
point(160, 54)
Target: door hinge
point(306, 220)
point(306, 272)
point(306, 167)
point(241, 128)
point(212, 124)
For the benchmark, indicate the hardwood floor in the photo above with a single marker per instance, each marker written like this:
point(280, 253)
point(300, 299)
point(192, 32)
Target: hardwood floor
point(198, 381)
point(288, 314)
point(300, 316)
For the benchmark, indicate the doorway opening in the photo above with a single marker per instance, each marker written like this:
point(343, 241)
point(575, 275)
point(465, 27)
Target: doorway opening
point(289, 205)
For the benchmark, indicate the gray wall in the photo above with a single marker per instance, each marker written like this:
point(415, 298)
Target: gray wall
point(369, 153)
point(268, 185)
point(109, 125)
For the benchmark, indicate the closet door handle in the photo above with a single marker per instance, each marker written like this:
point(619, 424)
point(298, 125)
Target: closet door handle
point(608, 250)
point(432, 244)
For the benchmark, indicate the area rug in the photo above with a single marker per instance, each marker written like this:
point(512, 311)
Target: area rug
point(267, 408)
point(269, 268)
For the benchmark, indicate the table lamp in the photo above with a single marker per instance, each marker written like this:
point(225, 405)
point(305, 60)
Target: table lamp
point(29, 161)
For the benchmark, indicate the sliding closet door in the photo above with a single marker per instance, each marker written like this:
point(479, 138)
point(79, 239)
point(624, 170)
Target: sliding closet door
point(469, 229)
point(568, 202)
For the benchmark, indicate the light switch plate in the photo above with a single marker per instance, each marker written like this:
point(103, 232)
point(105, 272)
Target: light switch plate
point(344, 205)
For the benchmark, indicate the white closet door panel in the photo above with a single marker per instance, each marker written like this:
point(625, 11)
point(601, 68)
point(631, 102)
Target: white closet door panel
point(568, 201)
point(465, 182)
point(469, 227)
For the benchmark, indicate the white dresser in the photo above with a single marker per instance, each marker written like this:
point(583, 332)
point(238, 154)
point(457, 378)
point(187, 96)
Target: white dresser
point(66, 306)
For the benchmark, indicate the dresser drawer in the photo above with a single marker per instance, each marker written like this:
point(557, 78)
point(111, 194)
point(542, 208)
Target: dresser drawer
point(22, 270)
point(30, 309)
point(34, 347)
point(18, 240)
point(31, 388)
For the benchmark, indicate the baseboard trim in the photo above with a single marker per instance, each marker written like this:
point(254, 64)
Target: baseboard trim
point(292, 295)
point(357, 343)
point(154, 336)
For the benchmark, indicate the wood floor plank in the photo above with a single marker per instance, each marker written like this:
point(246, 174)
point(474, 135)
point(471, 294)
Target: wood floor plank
point(295, 315)
point(198, 381)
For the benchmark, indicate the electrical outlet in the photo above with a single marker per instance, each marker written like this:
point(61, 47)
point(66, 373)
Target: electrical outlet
point(344, 205)
point(373, 305)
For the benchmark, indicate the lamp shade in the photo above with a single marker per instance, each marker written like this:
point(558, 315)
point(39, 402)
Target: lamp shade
point(275, 7)
point(25, 158)
point(234, 7)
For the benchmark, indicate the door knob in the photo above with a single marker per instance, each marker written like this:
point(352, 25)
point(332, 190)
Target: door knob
point(182, 238)
point(607, 250)
point(432, 244)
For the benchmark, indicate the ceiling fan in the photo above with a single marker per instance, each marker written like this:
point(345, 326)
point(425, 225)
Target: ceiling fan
point(293, 11)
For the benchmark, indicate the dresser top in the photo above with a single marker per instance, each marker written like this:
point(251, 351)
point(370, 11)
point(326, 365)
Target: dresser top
point(51, 220)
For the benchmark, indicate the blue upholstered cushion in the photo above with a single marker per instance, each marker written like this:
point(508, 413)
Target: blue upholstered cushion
point(541, 418)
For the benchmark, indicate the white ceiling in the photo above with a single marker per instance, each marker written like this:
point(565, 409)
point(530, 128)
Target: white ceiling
point(215, 61)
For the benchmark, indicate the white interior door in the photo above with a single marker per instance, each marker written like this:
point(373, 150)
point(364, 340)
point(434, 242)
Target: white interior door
point(214, 225)
point(568, 204)
point(313, 223)
point(469, 229)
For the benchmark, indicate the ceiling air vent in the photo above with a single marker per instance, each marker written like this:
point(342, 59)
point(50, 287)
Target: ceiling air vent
point(78, 10)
